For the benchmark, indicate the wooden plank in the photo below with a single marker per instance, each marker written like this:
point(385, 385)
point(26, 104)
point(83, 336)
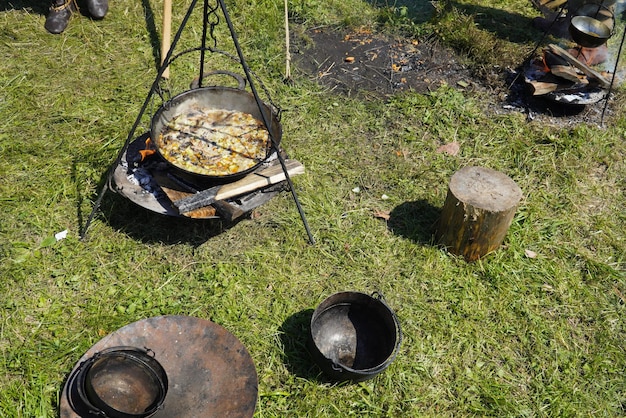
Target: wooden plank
point(251, 182)
point(568, 73)
point(589, 72)
point(554, 4)
point(540, 88)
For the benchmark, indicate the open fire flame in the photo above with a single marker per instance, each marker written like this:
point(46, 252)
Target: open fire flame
point(148, 150)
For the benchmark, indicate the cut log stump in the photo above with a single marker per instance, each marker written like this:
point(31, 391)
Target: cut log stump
point(478, 211)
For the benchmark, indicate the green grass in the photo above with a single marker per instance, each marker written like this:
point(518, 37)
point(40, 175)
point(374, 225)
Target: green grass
point(509, 335)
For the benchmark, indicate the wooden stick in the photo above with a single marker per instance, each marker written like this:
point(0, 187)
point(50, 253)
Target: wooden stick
point(288, 56)
point(167, 34)
point(254, 181)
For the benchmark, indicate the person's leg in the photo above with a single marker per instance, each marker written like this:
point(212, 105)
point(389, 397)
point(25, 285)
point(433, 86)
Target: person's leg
point(98, 8)
point(59, 15)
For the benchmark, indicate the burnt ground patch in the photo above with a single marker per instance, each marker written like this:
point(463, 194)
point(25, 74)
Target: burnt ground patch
point(363, 62)
point(366, 64)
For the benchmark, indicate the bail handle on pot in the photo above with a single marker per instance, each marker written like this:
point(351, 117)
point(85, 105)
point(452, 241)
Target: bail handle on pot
point(241, 81)
point(354, 336)
point(379, 296)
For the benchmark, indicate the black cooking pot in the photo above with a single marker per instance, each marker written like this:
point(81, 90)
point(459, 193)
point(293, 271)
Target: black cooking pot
point(589, 32)
point(216, 97)
point(354, 336)
point(122, 382)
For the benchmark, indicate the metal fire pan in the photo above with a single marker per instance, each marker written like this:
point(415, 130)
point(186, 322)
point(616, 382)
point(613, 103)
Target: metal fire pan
point(210, 373)
point(576, 96)
point(150, 195)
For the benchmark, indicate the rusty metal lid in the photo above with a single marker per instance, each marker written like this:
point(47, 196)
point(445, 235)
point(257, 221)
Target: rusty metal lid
point(210, 373)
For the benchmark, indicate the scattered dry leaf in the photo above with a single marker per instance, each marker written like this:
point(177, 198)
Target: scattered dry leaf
point(451, 148)
point(382, 214)
point(530, 254)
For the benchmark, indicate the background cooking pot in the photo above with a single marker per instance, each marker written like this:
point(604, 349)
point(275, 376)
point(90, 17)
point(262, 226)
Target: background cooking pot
point(215, 97)
point(122, 382)
point(589, 32)
point(354, 336)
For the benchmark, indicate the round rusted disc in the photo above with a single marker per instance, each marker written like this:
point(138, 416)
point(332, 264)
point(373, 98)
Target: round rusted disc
point(210, 373)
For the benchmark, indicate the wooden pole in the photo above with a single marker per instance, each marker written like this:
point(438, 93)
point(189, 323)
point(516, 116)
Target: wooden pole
point(167, 34)
point(287, 47)
point(478, 211)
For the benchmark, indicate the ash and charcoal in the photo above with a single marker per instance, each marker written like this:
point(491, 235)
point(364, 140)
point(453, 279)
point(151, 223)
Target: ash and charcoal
point(362, 62)
point(367, 64)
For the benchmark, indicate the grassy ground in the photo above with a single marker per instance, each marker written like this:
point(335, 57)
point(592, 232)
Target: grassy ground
point(512, 335)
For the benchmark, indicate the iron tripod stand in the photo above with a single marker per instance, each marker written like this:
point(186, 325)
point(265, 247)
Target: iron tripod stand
point(207, 29)
point(557, 16)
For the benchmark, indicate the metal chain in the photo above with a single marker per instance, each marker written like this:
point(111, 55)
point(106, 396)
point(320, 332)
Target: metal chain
point(236, 59)
point(213, 19)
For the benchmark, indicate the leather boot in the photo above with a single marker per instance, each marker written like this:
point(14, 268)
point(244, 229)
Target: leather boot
point(59, 15)
point(98, 8)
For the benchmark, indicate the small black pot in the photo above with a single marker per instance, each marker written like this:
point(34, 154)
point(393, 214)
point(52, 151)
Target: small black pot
point(122, 382)
point(354, 336)
point(589, 32)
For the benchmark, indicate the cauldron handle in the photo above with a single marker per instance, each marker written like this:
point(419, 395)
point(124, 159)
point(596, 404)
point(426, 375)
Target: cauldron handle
point(378, 295)
point(195, 83)
point(336, 367)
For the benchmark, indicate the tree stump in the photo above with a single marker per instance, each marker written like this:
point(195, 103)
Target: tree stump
point(478, 211)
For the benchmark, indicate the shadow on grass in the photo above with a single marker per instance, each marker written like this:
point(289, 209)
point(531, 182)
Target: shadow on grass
point(151, 227)
point(36, 6)
point(295, 336)
point(155, 41)
point(420, 11)
point(504, 24)
point(415, 220)
point(513, 27)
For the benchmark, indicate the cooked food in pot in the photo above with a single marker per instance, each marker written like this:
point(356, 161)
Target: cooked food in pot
point(214, 142)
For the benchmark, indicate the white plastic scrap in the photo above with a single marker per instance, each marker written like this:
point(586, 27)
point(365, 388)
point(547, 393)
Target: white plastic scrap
point(60, 235)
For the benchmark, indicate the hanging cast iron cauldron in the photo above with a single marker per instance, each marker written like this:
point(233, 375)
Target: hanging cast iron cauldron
point(354, 336)
point(193, 138)
point(589, 32)
point(122, 382)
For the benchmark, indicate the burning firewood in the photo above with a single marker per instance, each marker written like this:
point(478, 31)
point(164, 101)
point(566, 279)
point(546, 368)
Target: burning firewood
point(539, 88)
point(568, 73)
point(588, 71)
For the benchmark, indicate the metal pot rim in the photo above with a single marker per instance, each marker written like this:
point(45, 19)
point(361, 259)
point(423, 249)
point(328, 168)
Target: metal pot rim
point(135, 354)
point(349, 298)
point(271, 115)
